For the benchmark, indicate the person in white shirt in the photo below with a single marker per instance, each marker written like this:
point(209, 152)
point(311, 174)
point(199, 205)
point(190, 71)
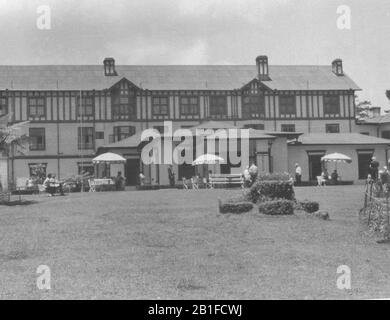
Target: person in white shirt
point(298, 174)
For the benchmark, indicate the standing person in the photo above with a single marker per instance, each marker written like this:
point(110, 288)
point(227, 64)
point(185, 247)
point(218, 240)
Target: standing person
point(247, 177)
point(298, 174)
point(119, 181)
point(253, 172)
point(373, 169)
point(171, 176)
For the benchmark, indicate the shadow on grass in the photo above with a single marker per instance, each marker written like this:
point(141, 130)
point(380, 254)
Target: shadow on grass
point(18, 203)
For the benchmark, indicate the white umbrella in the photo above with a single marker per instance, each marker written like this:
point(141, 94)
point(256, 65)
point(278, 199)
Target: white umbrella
point(109, 157)
point(336, 157)
point(207, 159)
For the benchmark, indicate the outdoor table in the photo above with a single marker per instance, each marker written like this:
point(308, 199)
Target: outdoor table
point(103, 184)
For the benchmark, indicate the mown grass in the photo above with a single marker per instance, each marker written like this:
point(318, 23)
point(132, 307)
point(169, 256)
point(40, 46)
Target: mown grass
point(173, 244)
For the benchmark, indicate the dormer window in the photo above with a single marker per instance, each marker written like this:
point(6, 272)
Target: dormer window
point(337, 67)
point(109, 67)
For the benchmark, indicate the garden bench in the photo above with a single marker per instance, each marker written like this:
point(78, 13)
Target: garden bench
point(226, 180)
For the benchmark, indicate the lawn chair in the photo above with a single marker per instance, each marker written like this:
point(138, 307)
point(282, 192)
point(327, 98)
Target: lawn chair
point(194, 183)
point(92, 185)
point(321, 181)
point(185, 185)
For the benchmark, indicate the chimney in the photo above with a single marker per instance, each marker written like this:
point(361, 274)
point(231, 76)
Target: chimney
point(337, 67)
point(262, 68)
point(109, 67)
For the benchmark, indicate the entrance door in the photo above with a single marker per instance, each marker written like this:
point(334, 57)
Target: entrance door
point(364, 160)
point(132, 172)
point(315, 166)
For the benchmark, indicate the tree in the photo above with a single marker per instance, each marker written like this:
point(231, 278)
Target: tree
point(11, 137)
point(362, 108)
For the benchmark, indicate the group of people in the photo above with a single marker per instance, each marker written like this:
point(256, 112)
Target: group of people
point(325, 177)
point(52, 185)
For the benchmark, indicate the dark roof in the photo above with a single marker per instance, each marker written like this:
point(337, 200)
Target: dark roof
point(338, 138)
point(170, 77)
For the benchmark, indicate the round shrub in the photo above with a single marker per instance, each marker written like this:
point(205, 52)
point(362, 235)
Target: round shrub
point(309, 206)
point(270, 190)
point(277, 207)
point(235, 207)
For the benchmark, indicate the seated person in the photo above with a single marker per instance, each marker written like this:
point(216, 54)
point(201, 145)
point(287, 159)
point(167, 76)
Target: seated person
point(334, 177)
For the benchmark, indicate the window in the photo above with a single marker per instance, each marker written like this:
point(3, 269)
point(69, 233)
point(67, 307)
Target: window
point(253, 106)
point(287, 105)
point(332, 128)
point(331, 105)
point(86, 108)
point(385, 134)
point(123, 132)
point(288, 127)
point(86, 168)
point(36, 106)
point(3, 106)
point(85, 138)
point(37, 138)
point(189, 106)
point(160, 106)
point(99, 135)
point(218, 106)
point(123, 102)
point(256, 126)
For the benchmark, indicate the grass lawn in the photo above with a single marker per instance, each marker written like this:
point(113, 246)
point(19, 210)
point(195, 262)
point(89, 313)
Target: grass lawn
point(173, 244)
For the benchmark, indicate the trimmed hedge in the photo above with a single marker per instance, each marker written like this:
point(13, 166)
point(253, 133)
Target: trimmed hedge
point(309, 206)
point(271, 190)
point(235, 207)
point(277, 207)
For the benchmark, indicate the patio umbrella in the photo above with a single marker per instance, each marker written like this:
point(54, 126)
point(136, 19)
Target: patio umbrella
point(336, 157)
point(109, 157)
point(207, 159)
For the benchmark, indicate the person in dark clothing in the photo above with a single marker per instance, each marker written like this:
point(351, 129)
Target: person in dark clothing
point(171, 176)
point(373, 169)
point(119, 181)
point(334, 177)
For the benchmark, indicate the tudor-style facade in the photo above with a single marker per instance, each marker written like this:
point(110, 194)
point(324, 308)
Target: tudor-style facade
point(74, 110)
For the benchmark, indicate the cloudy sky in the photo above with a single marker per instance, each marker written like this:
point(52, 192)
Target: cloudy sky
point(203, 32)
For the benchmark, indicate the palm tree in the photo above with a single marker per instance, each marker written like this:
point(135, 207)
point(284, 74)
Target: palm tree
point(11, 137)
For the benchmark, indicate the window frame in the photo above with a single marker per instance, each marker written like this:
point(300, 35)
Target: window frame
point(327, 105)
point(84, 106)
point(216, 105)
point(117, 132)
point(159, 106)
point(257, 109)
point(190, 106)
point(284, 126)
point(39, 147)
point(329, 125)
point(82, 145)
point(123, 110)
point(286, 109)
point(36, 106)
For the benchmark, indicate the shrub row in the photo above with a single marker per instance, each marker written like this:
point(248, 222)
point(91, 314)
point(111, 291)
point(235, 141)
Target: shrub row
point(277, 207)
point(235, 207)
